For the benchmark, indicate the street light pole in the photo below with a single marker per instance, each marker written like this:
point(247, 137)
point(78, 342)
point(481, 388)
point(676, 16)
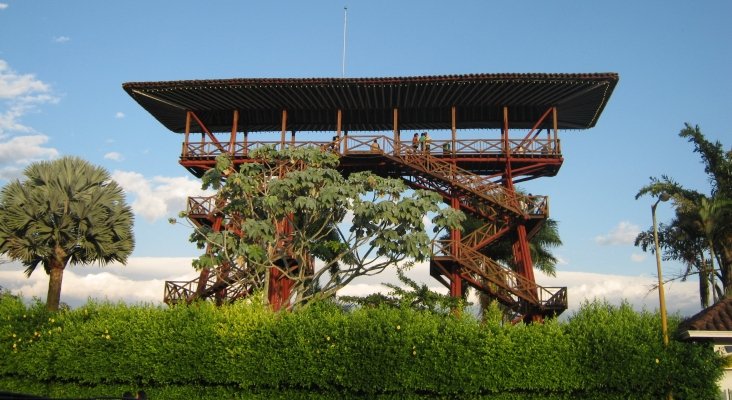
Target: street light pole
point(661, 293)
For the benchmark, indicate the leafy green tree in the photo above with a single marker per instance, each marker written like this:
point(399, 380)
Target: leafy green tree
point(293, 212)
point(64, 212)
point(703, 223)
point(409, 294)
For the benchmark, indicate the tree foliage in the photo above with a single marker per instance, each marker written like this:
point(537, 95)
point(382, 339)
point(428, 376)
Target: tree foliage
point(700, 234)
point(409, 294)
point(64, 212)
point(294, 212)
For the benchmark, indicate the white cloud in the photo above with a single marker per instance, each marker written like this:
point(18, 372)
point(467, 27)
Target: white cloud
point(114, 156)
point(561, 260)
point(157, 197)
point(22, 150)
point(119, 115)
point(14, 86)
point(681, 297)
point(61, 39)
point(624, 233)
point(143, 280)
point(21, 94)
point(637, 257)
point(3, 6)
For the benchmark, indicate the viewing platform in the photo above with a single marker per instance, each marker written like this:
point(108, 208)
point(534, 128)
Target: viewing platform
point(488, 133)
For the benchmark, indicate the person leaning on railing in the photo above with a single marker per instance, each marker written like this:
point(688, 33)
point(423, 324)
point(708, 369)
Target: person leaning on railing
point(375, 147)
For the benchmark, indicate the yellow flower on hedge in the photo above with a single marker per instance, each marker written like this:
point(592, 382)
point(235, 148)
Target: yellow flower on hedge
point(108, 337)
point(327, 338)
point(399, 327)
point(13, 335)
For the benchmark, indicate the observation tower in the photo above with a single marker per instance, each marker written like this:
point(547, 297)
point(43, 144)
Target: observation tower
point(489, 132)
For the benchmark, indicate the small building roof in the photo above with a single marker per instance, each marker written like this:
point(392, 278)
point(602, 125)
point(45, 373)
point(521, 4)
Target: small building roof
point(367, 104)
point(717, 317)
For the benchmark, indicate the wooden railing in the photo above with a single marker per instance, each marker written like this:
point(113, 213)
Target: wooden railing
point(480, 186)
point(512, 288)
point(179, 291)
point(201, 205)
point(362, 144)
point(484, 235)
point(232, 282)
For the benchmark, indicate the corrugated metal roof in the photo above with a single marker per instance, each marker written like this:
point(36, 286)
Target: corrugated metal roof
point(367, 104)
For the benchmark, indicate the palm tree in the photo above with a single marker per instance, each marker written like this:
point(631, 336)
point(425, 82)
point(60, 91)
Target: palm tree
point(714, 218)
point(64, 212)
point(683, 241)
point(704, 221)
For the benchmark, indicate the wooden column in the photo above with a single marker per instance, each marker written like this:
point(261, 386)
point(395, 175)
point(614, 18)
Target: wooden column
point(397, 139)
point(187, 135)
point(234, 129)
point(454, 129)
point(555, 122)
point(506, 144)
point(284, 129)
point(339, 123)
point(246, 143)
point(456, 281)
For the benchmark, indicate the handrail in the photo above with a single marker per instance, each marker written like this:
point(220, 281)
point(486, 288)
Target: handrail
point(516, 285)
point(467, 181)
point(485, 234)
point(201, 205)
point(362, 144)
point(236, 280)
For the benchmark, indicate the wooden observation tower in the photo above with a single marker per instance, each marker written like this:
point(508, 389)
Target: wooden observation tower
point(490, 131)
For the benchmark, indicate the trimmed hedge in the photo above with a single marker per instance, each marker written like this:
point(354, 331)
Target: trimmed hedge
point(246, 351)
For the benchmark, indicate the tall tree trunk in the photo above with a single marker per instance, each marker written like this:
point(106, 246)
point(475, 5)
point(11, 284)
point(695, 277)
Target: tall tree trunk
point(54, 285)
point(725, 268)
point(704, 283)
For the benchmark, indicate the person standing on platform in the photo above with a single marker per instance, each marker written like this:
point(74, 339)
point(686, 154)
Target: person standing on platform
point(415, 142)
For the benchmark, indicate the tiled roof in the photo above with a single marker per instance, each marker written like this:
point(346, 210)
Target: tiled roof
point(367, 104)
point(717, 317)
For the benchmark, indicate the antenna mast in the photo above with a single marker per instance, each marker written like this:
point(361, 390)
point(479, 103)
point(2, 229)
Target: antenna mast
point(345, 27)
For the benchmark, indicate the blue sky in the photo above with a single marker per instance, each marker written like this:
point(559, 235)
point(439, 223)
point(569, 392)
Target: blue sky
point(62, 65)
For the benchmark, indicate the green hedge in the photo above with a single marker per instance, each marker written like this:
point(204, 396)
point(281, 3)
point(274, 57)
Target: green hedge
point(246, 351)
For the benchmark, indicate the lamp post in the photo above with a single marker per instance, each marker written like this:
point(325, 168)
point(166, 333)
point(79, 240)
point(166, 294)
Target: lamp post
point(661, 294)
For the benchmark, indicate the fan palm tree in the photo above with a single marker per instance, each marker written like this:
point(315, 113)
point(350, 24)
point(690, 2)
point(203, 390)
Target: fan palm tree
point(64, 212)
